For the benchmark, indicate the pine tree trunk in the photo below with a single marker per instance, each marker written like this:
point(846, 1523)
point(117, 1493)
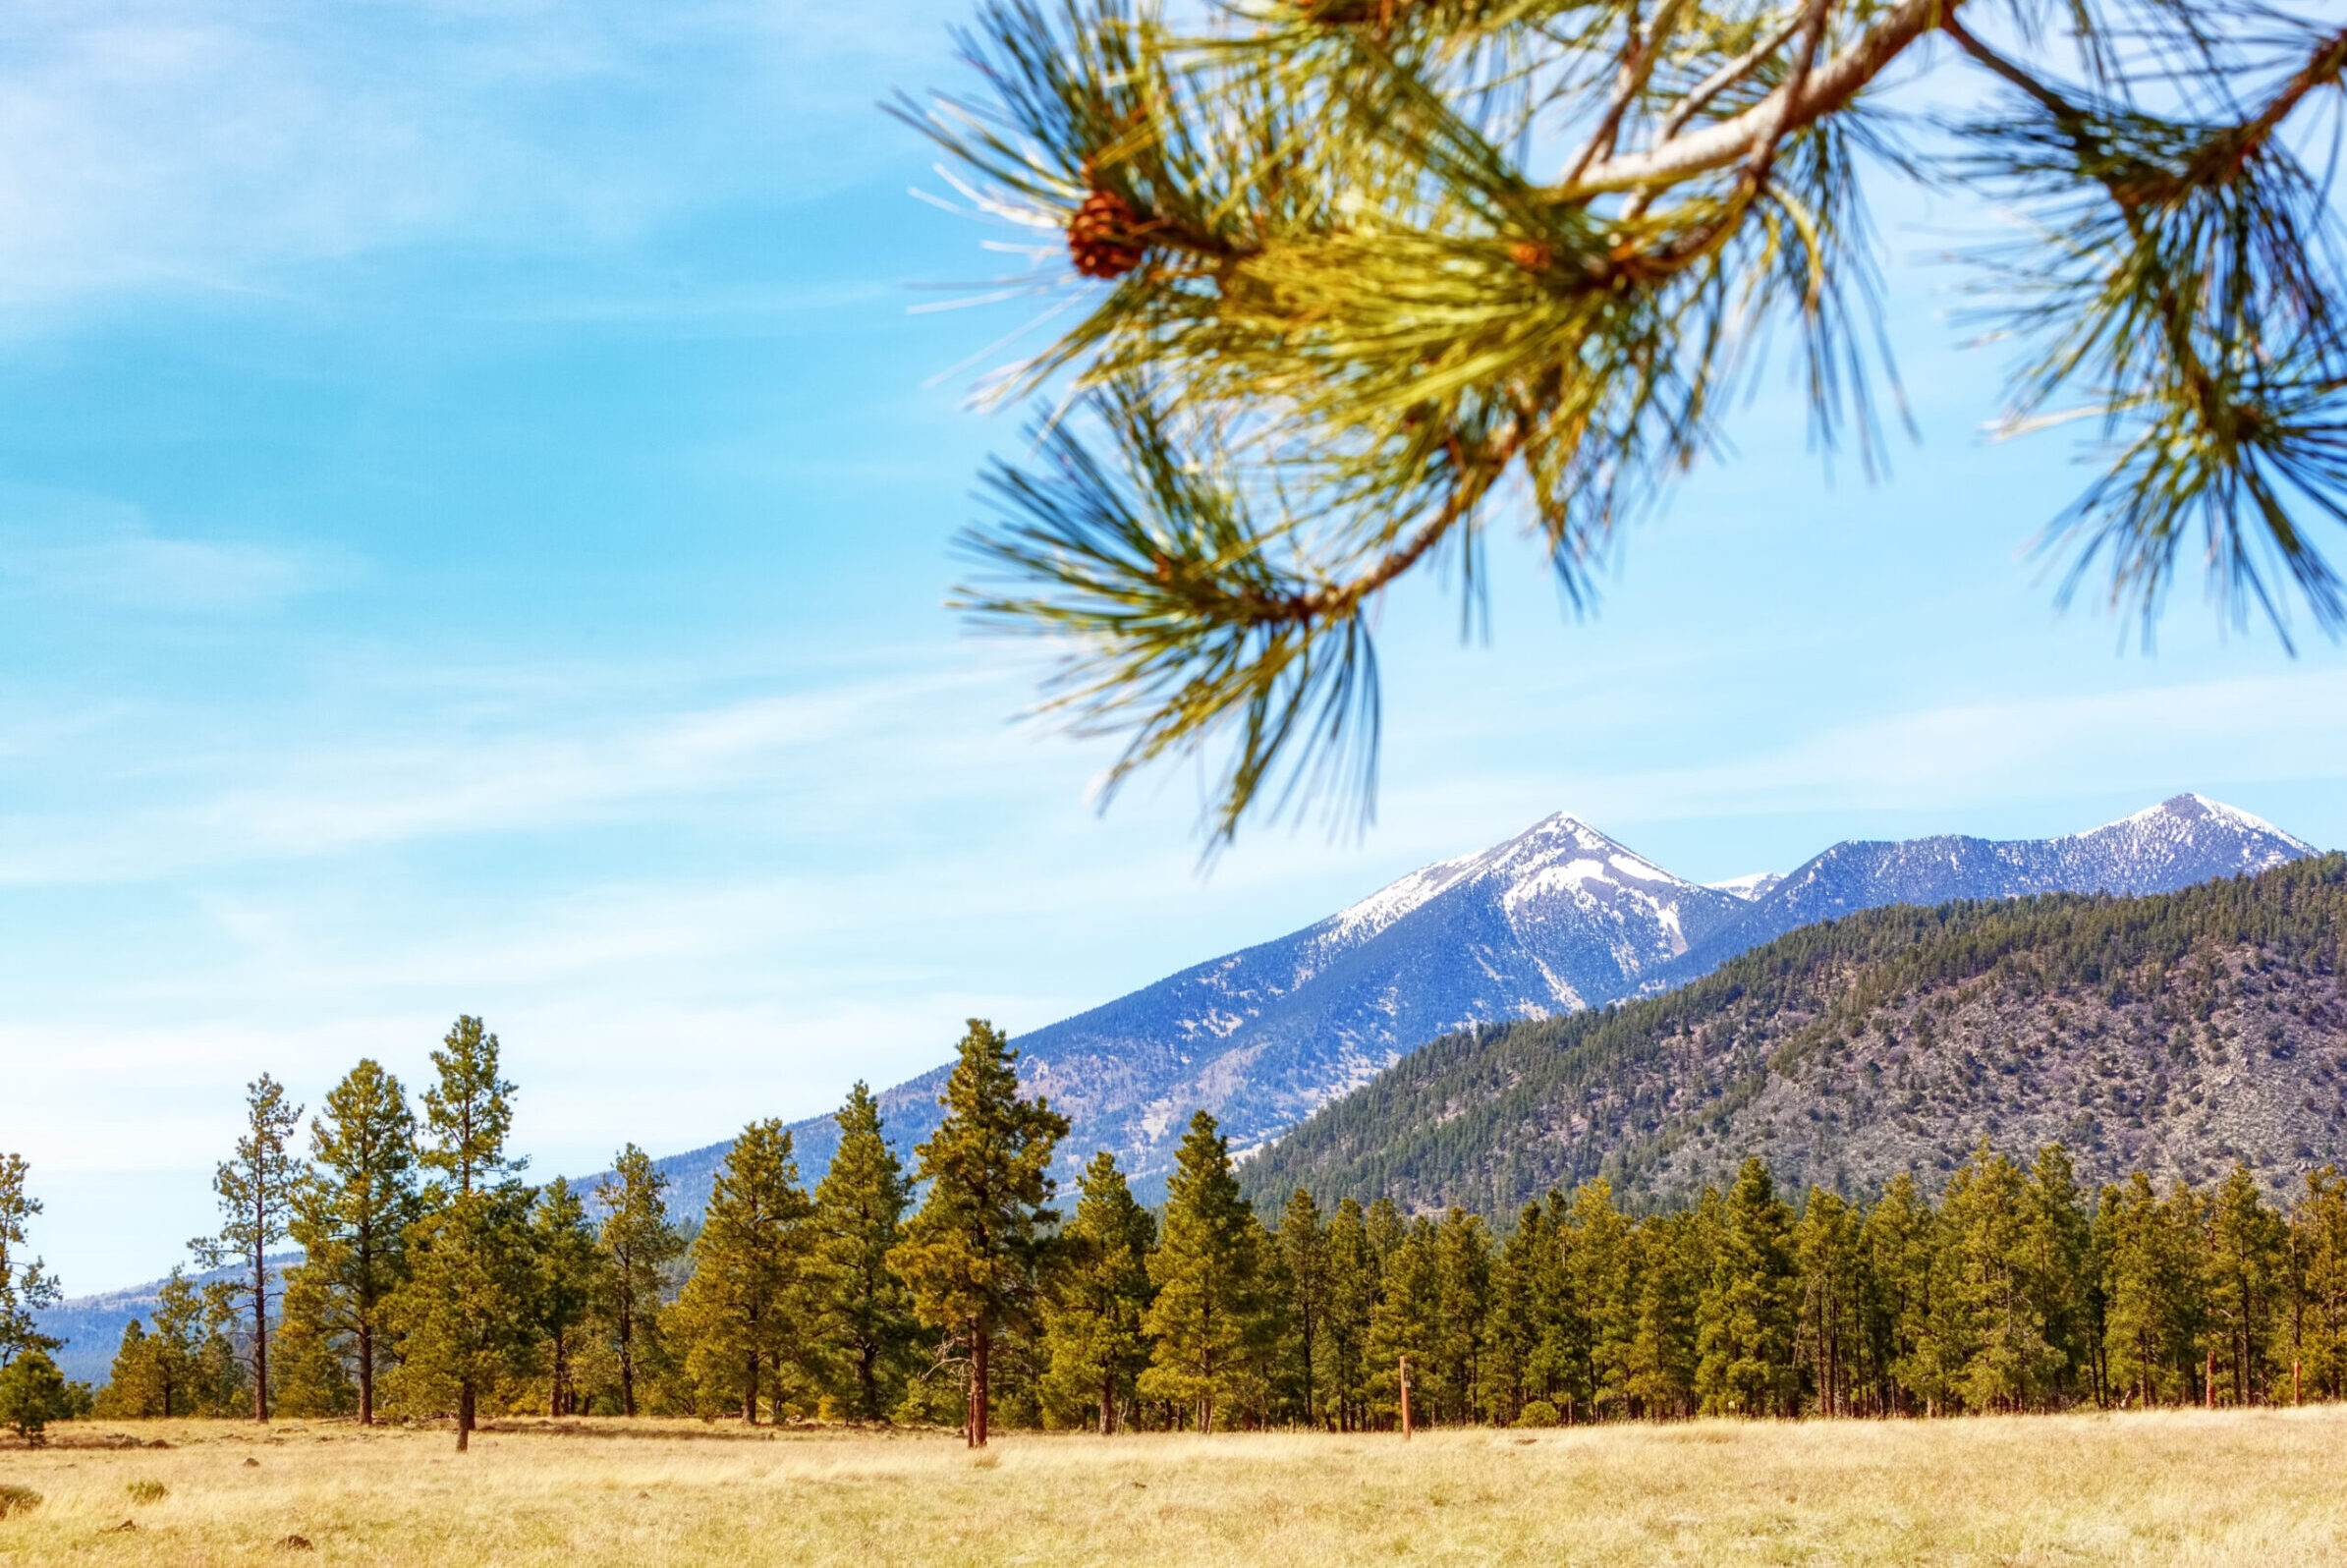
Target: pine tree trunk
point(465, 1415)
point(981, 1344)
point(366, 1374)
point(749, 1392)
point(627, 1356)
point(1108, 1403)
point(260, 1316)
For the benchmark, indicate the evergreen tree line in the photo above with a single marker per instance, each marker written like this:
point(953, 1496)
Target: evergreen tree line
point(435, 1282)
point(32, 1391)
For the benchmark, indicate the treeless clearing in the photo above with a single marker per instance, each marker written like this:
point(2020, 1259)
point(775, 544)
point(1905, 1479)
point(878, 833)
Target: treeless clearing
point(2268, 1488)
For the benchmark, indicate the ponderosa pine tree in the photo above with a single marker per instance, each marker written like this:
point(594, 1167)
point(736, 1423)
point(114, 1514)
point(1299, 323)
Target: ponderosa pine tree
point(972, 1253)
point(1462, 1284)
point(1407, 1323)
point(310, 1374)
point(1904, 1256)
point(1600, 1258)
point(867, 1317)
point(1746, 1323)
point(133, 1392)
point(1520, 1305)
point(257, 1189)
point(1674, 1266)
point(1095, 1344)
point(176, 1343)
point(2007, 1362)
point(2247, 1288)
point(1832, 1339)
point(1303, 1242)
point(2057, 1246)
point(1214, 1322)
point(2319, 1266)
point(32, 1394)
point(1353, 1287)
point(638, 1244)
point(464, 1308)
point(2153, 1320)
point(24, 1287)
point(566, 1280)
point(743, 1317)
point(351, 1217)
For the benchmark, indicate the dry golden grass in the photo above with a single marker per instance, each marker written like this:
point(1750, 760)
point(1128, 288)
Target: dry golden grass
point(2267, 1488)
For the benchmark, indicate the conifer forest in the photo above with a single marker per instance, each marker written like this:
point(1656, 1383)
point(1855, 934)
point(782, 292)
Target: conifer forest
point(434, 1282)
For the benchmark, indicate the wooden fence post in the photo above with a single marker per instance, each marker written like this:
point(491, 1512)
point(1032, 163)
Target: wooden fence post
point(1404, 1399)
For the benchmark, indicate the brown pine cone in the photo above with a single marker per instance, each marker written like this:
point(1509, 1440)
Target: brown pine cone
point(1102, 235)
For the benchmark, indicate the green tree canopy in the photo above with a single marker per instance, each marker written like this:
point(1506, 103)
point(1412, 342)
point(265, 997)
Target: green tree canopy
point(1215, 1317)
point(351, 1217)
point(567, 1279)
point(32, 1394)
point(23, 1286)
point(971, 1255)
point(463, 1311)
point(638, 1244)
point(742, 1316)
point(257, 1189)
point(859, 1216)
point(1095, 1339)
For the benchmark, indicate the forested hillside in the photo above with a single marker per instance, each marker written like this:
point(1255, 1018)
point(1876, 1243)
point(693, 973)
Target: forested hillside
point(2174, 1034)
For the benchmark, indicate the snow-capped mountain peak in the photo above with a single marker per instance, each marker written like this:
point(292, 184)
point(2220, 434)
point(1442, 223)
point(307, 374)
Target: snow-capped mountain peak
point(1559, 916)
point(2188, 816)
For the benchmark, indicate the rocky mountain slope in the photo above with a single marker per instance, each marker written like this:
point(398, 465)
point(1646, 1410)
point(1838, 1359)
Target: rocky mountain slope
point(2175, 1033)
point(1556, 920)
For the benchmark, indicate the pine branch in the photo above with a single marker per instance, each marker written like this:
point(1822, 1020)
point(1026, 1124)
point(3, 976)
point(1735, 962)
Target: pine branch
point(1831, 87)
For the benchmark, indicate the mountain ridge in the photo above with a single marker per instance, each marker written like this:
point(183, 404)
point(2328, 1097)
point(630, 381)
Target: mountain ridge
point(2173, 1033)
point(1555, 919)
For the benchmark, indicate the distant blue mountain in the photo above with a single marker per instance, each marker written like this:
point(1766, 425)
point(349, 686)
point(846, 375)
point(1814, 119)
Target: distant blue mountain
point(1557, 919)
point(91, 1325)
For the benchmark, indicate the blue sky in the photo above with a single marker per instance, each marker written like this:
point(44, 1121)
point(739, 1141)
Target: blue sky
point(474, 509)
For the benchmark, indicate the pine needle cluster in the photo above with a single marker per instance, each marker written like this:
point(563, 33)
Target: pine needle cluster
point(1339, 284)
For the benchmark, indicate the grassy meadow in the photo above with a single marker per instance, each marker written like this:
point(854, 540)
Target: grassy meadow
point(2268, 1488)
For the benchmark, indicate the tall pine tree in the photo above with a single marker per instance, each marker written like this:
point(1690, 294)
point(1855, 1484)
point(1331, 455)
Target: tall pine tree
point(1094, 1342)
point(1214, 1319)
point(1747, 1319)
point(638, 1244)
point(464, 1308)
point(970, 1254)
point(742, 1316)
point(2319, 1266)
point(351, 1216)
point(566, 1279)
point(24, 1287)
point(859, 1216)
point(1354, 1279)
point(1303, 1272)
point(257, 1190)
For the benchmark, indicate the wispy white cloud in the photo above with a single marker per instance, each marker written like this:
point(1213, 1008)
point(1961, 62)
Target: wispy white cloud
point(95, 551)
point(171, 144)
point(498, 772)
